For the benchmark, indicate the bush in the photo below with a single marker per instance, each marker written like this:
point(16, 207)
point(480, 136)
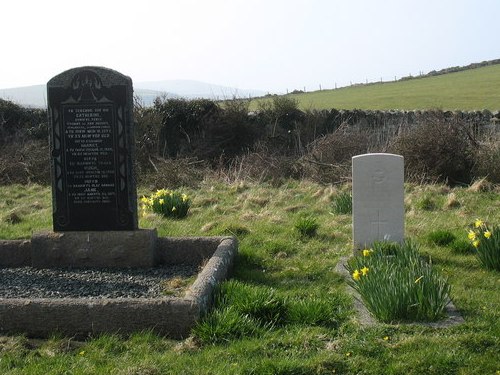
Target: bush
point(199, 128)
point(24, 163)
point(399, 287)
point(286, 112)
point(260, 165)
point(437, 150)
point(182, 122)
point(19, 124)
point(175, 173)
point(488, 161)
point(328, 159)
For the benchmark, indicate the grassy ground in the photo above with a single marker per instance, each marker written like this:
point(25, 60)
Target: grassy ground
point(319, 333)
point(474, 89)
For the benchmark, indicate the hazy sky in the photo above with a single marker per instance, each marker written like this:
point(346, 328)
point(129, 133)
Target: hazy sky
point(271, 45)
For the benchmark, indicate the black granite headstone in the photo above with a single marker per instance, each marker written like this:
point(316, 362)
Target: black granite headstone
point(92, 141)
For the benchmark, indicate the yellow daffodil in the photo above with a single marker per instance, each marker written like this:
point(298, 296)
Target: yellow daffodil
point(471, 235)
point(475, 243)
point(161, 201)
point(386, 338)
point(161, 192)
point(367, 252)
point(478, 223)
point(487, 234)
point(356, 275)
point(184, 197)
point(174, 209)
point(144, 200)
point(365, 270)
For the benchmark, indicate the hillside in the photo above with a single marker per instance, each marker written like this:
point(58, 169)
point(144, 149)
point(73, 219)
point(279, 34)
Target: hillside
point(473, 89)
point(36, 96)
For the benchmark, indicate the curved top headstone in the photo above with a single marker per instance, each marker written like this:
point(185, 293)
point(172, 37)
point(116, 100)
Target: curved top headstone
point(92, 145)
point(105, 75)
point(377, 199)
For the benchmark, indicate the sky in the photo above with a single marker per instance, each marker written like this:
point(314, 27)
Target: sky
point(269, 45)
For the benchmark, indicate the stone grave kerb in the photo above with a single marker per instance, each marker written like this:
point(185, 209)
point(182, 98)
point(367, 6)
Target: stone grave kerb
point(377, 199)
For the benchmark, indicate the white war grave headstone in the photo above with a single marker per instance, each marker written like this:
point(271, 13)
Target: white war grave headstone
point(377, 199)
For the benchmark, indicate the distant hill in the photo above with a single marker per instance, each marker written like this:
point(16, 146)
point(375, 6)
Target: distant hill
point(196, 89)
point(465, 89)
point(36, 96)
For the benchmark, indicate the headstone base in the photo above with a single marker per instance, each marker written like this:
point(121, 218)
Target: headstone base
point(109, 249)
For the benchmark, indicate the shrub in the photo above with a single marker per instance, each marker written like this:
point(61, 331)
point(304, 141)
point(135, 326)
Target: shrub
point(486, 241)
point(182, 122)
point(399, 287)
point(439, 149)
point(18, 123)
point(307, 226)
point(488, 161)
point(167, 203)
point(260, 165)
point(328, 159)
point(441, 237)
point(286, 111)
point(25, 162)
point(175, 173)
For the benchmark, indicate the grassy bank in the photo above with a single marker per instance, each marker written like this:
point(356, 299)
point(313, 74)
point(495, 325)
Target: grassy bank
point(311, 328)
point(475, 89)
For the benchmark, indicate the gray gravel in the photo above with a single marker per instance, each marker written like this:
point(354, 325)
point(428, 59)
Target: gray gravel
point(28, 282)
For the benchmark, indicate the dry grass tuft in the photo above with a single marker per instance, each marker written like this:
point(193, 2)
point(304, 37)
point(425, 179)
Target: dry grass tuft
point(452, 201)
point(481, 185)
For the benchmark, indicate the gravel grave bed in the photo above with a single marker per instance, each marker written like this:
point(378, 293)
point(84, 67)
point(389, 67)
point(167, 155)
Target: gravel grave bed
point(28, 282)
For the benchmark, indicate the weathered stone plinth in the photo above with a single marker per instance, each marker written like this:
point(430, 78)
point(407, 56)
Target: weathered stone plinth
point(110, 249)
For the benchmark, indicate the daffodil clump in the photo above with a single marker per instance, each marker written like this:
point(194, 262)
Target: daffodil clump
point(168, 203)
point(486, 241)
point(396, 284)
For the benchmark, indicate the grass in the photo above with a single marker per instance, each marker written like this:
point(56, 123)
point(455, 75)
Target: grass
point(285, 311)
point(474, 89)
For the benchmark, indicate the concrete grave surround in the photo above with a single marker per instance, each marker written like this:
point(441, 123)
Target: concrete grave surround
point(82, 317)
point(377, 199)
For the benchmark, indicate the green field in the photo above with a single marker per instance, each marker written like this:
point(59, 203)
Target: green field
point(474, 89)
point(300, 320)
